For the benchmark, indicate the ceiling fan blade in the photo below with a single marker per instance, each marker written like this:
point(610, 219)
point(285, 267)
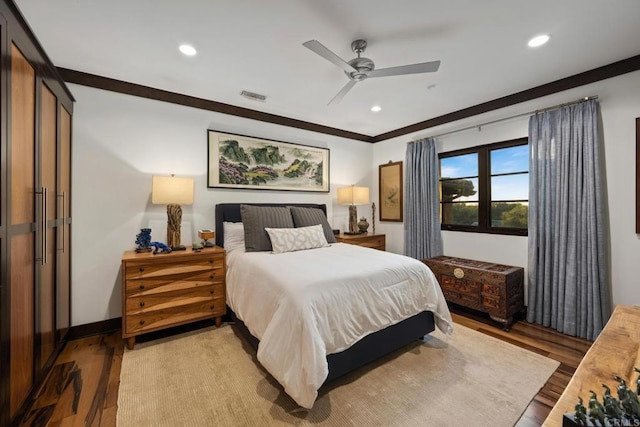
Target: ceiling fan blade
point(423, 67)
point(321, 50)
point(336, 99)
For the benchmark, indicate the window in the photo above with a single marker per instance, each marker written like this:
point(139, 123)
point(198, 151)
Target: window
point(486, 189)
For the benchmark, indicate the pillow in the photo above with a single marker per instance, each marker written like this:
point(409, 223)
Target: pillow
point(256, 219)
point(233, 235)
point(304, 217)
point(296, 239)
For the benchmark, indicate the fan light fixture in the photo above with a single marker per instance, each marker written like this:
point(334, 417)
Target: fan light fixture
point(361, 68)
point(188, 49)
point(376, 108)
point(538, 40)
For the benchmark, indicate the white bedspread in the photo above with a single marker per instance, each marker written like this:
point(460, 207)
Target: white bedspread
point(307, 304)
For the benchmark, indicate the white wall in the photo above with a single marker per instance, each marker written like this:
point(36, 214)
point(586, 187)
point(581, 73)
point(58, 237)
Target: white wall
point(620, 105)
point(120, 141)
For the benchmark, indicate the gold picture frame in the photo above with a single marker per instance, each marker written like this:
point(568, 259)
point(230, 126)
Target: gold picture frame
point(390, 191)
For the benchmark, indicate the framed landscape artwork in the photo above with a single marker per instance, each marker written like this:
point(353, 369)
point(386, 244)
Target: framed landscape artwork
point(244, 162)
point(390, 191)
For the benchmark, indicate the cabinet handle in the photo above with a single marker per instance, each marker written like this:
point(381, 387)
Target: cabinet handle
point(43, 225)
point(141, 268)
point(142, 322)
point(212, 307)
point(141, 287)
point(210, 261)
point(211, 277)
point(211, 292)
point(63, 195)
point(141, 303)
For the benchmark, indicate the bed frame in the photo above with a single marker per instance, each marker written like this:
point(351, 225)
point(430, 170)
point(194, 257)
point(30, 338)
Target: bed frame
point(366, 350)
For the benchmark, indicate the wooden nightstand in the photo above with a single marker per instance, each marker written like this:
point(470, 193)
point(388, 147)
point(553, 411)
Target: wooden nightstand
point(368, 240)
point(165, 290)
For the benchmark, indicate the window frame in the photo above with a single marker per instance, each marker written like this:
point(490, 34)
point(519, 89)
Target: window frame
point(484, 188)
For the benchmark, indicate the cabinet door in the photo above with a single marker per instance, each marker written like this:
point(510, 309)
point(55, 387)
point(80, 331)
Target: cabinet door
point(63, 288)
point(47, 265)
point(22, 238)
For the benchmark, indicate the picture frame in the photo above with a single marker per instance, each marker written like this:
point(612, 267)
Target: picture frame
point(390, 190)
point(245, 162)
point(638, 175)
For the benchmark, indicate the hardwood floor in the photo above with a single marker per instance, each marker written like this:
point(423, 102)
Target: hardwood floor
point(82, 388)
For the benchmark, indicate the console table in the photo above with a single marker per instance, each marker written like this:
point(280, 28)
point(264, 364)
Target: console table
point(614, 352)
point(492, 288)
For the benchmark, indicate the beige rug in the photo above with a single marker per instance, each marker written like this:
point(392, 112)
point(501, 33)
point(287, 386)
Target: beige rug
point(210, 377)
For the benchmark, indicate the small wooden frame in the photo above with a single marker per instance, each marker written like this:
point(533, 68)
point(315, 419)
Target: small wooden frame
point(390, 191)
point(638, 175)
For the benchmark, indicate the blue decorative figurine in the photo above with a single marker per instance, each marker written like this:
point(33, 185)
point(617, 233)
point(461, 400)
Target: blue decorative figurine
point(143, 240)
point(160, 248)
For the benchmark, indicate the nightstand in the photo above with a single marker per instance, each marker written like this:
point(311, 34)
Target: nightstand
point(368, 240)
point(165, 290)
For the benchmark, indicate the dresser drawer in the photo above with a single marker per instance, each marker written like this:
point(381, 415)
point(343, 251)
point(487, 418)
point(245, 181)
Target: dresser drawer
point(158, 319)
point(173, 268)
point(184, 280)
point(374, 242)
point(145, 301)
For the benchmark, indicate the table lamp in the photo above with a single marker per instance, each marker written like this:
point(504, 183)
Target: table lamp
point(173, 192)
point(353, 196)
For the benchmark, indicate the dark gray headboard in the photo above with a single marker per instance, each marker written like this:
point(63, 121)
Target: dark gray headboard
point(230, 212)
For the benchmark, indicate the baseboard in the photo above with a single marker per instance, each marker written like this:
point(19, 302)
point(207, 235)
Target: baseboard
point(95, 328)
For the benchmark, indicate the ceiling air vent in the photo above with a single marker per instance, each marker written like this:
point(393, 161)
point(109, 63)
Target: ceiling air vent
point(253, 96)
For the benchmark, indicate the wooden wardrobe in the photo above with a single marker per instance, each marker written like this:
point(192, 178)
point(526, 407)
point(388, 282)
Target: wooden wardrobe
point(35, 213)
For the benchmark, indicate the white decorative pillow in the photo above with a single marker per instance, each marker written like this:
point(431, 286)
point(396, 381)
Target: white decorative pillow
point(296, 239)
point(233, 235)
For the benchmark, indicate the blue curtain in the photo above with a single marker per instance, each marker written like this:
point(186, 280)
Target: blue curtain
point(422, 236)
point(567, 274)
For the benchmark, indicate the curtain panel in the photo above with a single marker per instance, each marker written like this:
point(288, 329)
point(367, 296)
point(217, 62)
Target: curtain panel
point(568, 281)
point(422, 235)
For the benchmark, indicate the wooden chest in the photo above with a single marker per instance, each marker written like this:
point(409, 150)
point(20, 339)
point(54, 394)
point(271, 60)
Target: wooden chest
point(165, 290)
point(492, 288)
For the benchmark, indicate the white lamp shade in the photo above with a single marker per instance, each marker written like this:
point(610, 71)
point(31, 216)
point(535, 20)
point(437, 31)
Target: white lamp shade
point(353, 195)
point(168, 190)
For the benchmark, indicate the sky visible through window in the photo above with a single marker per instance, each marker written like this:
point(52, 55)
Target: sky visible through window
point(504, 160)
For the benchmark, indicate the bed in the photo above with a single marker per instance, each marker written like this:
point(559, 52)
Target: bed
point(303, 342)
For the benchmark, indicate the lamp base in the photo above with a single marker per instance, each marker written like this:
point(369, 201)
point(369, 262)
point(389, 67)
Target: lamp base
point(353, 220)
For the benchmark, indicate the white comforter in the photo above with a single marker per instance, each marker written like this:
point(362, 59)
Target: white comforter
point(307, 304)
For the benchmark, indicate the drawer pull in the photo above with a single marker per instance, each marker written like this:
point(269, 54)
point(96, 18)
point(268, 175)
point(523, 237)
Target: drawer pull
point(141, 287)
point(211, 277)
point(210, 261)
point(212, 307)
point(211, 292)
point(141, 268)
point(142, 322)
point(141, 303)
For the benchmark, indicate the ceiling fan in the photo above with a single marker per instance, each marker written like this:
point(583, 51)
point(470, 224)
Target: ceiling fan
point(360, 68)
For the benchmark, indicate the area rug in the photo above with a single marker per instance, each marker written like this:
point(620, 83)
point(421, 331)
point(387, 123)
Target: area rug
point(211, 377)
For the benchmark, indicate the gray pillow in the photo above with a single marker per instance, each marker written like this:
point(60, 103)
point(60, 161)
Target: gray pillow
point(305, 217)
point(256, 218)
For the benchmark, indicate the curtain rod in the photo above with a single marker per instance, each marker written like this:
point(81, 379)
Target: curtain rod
point(553, 107)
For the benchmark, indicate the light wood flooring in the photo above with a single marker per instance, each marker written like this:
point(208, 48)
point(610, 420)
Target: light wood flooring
point(82, 389)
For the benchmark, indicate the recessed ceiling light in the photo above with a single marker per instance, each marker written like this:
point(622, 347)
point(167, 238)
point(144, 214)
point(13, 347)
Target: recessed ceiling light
point(376, 108)
point(188, 49)
point(538, 40)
